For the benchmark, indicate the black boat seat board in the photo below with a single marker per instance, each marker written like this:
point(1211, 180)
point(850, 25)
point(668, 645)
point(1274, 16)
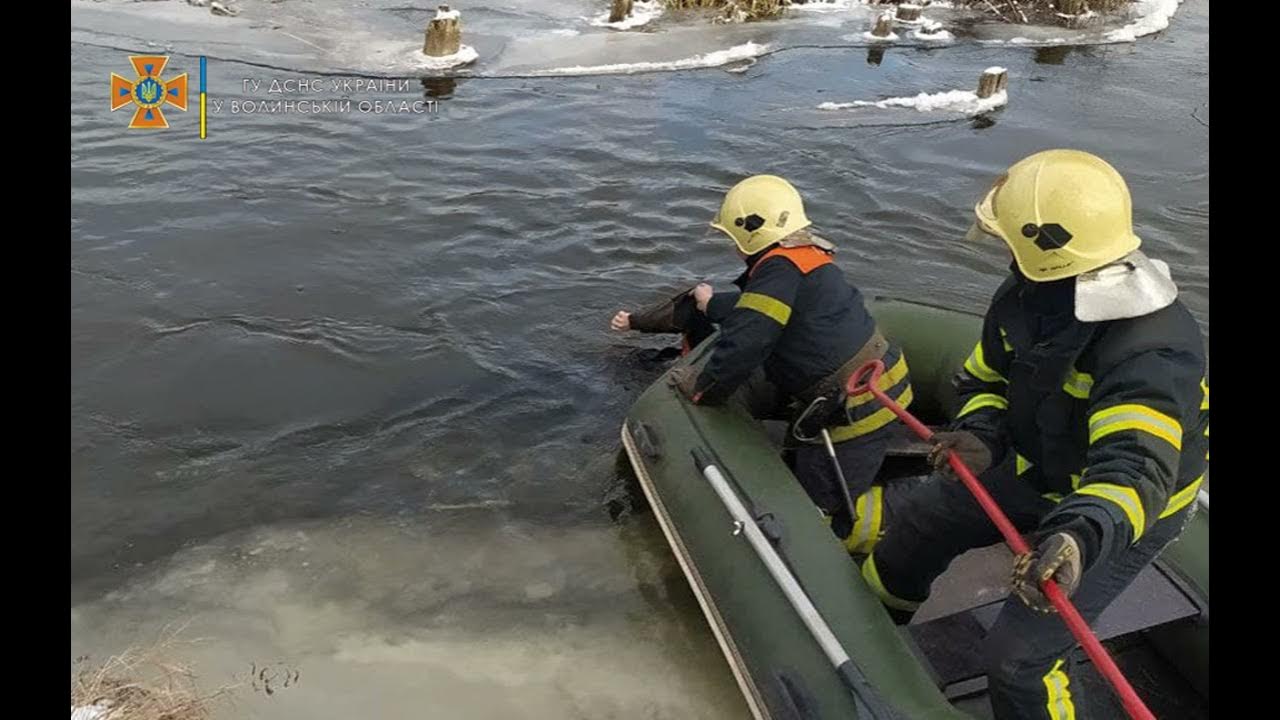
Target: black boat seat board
point(1167, 694)
point(906, 444)
point(953, 643)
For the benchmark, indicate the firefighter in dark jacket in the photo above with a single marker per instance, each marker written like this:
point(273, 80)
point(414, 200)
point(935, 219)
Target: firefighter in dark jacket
point(1084, 407)
point(794, 331)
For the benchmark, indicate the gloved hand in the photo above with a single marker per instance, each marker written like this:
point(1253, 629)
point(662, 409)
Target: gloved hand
point(968, 446)
point(1057, 556)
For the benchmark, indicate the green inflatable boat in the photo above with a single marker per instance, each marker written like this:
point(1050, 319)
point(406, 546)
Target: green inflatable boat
point(802, 633)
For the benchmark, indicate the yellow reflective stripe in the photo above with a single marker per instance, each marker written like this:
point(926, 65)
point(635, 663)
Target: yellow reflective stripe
point(1182, 498)
point(770, 307)
point(1005, 341)
point(872, 422)
point(1126, 498)
point(1204, 404)
point(977, 366)
point(1078, 384)
point(872, 576)
point(1020, 464)
point(887, 380)
point(1055, 497)
point(1135, 417)
point(983, 400)
point(866, 531)
point(1075, 482)
point(1059, 697)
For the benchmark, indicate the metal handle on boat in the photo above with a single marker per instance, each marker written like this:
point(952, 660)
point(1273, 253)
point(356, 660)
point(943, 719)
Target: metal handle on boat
point(848, 672)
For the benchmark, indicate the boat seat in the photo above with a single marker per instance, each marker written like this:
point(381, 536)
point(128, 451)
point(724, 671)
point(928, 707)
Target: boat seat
point(953, 643)
point(906, 444)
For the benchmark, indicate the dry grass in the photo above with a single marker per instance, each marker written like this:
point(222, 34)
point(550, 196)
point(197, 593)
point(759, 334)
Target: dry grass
point(1040, 12)
point(734, 10)
point(143, 684)
point(1044, 12)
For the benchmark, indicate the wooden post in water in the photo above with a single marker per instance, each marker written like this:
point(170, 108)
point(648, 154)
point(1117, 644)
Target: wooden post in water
point(993, 80)
point(444, 33)
point(909, 13)
point(884, 26)
point(619, 10)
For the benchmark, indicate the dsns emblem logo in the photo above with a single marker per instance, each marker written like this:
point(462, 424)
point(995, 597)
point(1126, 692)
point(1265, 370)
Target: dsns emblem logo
point(150, 92)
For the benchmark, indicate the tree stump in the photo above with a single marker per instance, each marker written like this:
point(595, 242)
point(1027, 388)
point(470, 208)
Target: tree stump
point(884, 26)
point(909, 13)
point(993, 80)
point(444, 33)
point(619, 10)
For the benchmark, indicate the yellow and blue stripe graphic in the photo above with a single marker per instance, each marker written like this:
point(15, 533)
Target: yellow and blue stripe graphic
point(204, 126)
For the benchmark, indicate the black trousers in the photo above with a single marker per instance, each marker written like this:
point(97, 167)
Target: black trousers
point(1026, 651)
point(860, 460)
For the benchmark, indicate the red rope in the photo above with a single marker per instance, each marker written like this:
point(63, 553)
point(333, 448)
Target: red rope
point(1133, 704)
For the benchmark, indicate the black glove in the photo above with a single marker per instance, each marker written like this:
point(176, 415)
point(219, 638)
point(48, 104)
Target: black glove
point(968, 446)
point(673, 315)
point(1058, 556)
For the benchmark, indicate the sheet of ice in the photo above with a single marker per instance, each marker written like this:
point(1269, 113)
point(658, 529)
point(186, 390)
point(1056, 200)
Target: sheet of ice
point(410, 619)
point(939, 36)
point(385, 36)
point(1153, 16)
point(891, 37)
point(965, 102)
point(1029, 41)
point(744, 51)
point(89, 712)
point(465, 56)
point(825, 5)
point(642, 13)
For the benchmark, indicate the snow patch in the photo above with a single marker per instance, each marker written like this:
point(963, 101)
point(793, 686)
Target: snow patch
point(966, 102)
point(1153, 16)
point(745, 51)
point(642, 13)
point(465, 56)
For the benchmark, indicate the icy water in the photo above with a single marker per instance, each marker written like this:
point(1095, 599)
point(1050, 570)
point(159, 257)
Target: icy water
point(343, 395)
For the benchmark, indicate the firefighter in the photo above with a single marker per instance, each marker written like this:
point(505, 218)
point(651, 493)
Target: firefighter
point(1084, 408)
